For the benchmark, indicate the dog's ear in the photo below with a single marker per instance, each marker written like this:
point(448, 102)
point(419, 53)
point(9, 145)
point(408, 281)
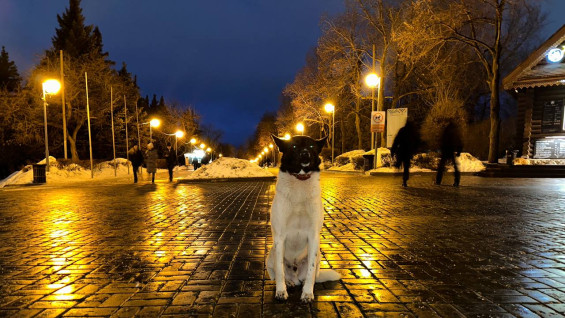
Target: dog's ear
point(321, 143)
point(281, 143)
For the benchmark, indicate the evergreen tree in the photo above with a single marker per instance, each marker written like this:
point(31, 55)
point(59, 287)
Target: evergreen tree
point(9, 77)
point(153, 105)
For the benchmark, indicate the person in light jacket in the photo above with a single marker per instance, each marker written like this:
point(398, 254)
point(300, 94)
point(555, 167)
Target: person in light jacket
point(151, 157)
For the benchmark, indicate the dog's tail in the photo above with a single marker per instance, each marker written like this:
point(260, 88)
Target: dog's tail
point(326, 275)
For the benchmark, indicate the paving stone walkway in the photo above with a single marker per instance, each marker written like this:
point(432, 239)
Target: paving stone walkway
point(493, 247)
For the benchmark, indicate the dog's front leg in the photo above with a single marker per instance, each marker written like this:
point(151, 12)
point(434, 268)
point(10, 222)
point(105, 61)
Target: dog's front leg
point(313, 259)
point(278, 247)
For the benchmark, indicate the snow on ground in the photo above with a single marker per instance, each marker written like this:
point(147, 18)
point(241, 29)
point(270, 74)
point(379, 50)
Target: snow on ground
point(468, 163)
point(59, 174)
point(229, 168)
point(346, 167)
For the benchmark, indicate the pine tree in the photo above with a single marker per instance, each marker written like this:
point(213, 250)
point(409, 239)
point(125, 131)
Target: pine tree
point(9, 76)
point(74, 37)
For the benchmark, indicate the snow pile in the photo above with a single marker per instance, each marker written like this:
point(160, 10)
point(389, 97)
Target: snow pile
point(59, 173)
point(468, 163)
point(349, 161)
point(229, 168)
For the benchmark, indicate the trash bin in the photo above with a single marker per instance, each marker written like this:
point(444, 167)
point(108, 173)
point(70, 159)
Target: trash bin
point(39, 173)
point(368, 162)
point(510, 156)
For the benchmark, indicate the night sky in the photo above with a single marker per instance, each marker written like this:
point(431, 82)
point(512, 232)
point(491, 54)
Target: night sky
point(230, 59)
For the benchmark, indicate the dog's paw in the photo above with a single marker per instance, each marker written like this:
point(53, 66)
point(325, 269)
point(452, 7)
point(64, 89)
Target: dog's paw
point(281, 295)
point(290, 283)
point(307, 297)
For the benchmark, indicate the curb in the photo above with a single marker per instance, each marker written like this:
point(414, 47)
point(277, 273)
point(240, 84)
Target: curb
point(254, 179)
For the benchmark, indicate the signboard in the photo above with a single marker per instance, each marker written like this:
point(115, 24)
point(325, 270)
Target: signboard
point(378, 121)
point(552, 120)
point(550, 148)
point(396, 119)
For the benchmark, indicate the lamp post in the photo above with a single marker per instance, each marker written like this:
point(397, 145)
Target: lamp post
point(153, 123)
point(300, 128)
point(50, 86)
point(274, 156)
point(330, 108)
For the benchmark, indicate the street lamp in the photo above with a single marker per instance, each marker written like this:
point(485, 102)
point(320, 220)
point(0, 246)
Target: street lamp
point(178, 134)
point(153, 123)
point(330, 108)
point(300, 128)
point(372, 80)
point(274, 156)
point(50, 86)
point(193, 141)
point(286, 136)
point(202, 146)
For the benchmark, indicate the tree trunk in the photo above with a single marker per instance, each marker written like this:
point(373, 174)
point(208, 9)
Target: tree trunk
point(381, 97)
point(358, 124)
point(494, 91)
point(72, 137)
point(342, 133)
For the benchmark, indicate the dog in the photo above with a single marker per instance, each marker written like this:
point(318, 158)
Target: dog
point(297, 217)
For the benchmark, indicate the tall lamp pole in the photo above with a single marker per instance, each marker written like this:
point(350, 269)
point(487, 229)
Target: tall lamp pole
point(373, 80)
point(50, 86)
point(330, 108)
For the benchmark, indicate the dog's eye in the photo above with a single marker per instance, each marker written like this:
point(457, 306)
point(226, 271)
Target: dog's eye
point(311, 146)
point(294, 146)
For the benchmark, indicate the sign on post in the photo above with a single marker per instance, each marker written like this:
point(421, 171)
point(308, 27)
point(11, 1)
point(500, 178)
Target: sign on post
point(397, 118)
point(378, 121)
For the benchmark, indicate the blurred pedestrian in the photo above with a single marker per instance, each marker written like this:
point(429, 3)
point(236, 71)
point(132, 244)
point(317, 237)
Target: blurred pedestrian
point(151, 157)
point(136, 158)
point(404, 147)
point(451, 146)
point(171, 159)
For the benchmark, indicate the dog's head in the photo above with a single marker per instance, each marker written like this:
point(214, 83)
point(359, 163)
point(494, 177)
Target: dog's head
point(300, 153)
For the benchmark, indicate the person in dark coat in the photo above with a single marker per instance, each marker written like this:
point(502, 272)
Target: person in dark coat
point(404, 147)
point(171, 159)
point(136, 158)
point(451, 146)
point(151, 157)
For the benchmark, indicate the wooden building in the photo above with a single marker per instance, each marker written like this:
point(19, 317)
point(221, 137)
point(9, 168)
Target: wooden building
point(538, 83)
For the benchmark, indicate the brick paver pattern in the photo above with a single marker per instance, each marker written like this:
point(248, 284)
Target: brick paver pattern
point(493, 247)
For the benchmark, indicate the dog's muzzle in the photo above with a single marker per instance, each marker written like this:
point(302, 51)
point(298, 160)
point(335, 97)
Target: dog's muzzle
point(302, 177)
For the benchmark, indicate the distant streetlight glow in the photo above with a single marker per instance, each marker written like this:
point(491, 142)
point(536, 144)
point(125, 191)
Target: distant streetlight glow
point(202, 146)
point(155, 122)
point(271, 146)
point(179, 134)
point(51, 86)
point(209, 149)
point(300, 128)
point(266, 149)
point(329, 107)
point(193, 141)
point(372, 80)
point(286, 136)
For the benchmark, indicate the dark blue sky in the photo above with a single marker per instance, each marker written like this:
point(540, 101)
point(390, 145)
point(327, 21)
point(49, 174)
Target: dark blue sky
point(230, 59)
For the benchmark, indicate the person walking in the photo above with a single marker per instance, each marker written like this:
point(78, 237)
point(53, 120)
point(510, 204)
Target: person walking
point(403, 148)
point(171, 159)
point(151, 157)
point(136, 158)
point(451, 146)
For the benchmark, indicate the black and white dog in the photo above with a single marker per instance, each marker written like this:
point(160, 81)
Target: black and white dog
point(297, 217)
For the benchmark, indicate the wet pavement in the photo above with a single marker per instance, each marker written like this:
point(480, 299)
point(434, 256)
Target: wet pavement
point(492, 247)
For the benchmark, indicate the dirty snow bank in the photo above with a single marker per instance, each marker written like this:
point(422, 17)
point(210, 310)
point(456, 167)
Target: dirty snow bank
point(226, 167)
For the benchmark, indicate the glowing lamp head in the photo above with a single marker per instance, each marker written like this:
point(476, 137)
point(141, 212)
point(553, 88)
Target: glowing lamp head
point(286, 136)
point(266, 149)
point(260, 156)
point(271, 146)
point(209, 149)
point(329, 107)
point(193, 141)
point(555, 55)
point(179, 134)
point(202, 146)
point(155, 122)
point(300, 127)
point(372, 80)
point(51, 86)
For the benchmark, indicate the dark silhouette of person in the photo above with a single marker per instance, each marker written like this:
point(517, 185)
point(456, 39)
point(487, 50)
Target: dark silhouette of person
point(170, 157)
point(451, 146)
point(404, 147)
point(136, 158)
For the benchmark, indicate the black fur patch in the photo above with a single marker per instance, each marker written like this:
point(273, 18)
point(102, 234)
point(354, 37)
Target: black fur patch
point(300, 153)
